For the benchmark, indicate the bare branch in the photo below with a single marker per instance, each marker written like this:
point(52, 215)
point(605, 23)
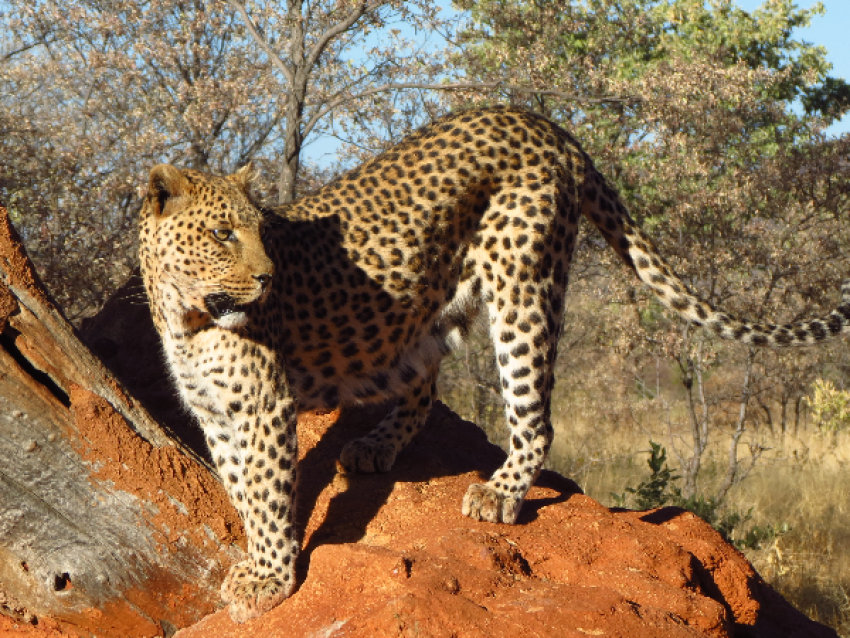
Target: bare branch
point(23, 49)
point(341, 27)
point(261, 42)
point(733, 471)
point(260, 139)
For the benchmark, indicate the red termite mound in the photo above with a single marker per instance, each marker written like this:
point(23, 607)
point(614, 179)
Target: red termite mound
point(391, 555)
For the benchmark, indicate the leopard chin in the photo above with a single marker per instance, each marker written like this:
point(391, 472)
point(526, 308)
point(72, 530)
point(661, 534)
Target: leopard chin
point(226, 313)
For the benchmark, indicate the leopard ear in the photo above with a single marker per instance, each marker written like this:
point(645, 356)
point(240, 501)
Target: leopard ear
point(244, 177)
point(166, 182)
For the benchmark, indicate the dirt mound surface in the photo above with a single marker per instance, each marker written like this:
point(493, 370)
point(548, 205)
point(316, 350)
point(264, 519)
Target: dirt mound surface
point(108, 526)
point(391, 555)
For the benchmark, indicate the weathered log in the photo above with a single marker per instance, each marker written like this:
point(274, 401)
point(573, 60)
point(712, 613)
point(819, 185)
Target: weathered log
point(107, 524)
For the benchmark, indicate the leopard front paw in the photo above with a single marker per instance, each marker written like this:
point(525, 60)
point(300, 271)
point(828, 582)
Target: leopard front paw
point(250, 595)
point(368, 455)
point(485, 503)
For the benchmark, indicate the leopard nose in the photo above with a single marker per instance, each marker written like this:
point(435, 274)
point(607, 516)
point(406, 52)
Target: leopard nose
point(263, 279)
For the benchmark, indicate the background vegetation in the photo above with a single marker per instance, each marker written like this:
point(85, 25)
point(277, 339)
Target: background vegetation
point(709, 120)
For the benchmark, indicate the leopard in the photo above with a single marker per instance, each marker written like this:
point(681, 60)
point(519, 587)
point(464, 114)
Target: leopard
point(354, 294)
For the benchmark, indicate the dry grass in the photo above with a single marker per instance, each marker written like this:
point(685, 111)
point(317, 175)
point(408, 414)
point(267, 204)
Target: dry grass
point(810, 565)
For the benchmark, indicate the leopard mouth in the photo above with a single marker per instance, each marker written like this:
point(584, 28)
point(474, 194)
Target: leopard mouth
point(224, 310)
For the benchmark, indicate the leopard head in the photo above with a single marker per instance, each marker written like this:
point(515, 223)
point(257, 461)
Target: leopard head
point(201, 247)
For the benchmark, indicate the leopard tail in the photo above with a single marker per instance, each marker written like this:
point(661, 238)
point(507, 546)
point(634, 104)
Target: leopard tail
point(602, 206)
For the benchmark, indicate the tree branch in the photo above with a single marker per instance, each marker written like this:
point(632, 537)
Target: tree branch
point(733, 473)
point(23, 49)
point(338, 29)
point(261, 42)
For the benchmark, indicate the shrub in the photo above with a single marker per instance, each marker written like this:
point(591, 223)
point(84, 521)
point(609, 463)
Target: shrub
point(830, 406)
point(660, 489)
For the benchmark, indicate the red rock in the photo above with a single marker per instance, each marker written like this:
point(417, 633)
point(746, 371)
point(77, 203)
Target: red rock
point(391, 555)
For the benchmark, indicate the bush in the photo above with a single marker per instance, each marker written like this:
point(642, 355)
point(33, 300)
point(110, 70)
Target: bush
point(659, 489)
point(830, 406)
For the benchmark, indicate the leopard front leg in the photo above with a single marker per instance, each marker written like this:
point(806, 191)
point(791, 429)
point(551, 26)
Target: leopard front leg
point(376, 452)
point(256, 453)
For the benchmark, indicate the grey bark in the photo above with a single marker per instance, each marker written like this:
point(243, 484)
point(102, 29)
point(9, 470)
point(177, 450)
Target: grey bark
point(71, 538)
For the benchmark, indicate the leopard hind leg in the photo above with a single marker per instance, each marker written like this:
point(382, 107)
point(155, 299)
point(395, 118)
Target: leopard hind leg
point(525, 305)
point(415, 379)
point(377, 451)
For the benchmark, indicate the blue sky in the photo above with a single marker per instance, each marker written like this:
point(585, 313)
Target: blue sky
point(832, 31)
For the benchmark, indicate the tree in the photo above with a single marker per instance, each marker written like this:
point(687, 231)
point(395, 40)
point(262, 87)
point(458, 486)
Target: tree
point(334, 55)
point(349, 61)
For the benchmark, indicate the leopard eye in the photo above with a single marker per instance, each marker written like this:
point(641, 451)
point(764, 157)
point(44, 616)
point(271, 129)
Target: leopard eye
point(222, 234)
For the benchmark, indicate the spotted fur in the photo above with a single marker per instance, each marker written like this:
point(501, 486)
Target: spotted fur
point(353, 296)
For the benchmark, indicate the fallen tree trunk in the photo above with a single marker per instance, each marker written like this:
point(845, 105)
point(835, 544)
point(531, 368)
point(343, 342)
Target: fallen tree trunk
point(107, 524)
